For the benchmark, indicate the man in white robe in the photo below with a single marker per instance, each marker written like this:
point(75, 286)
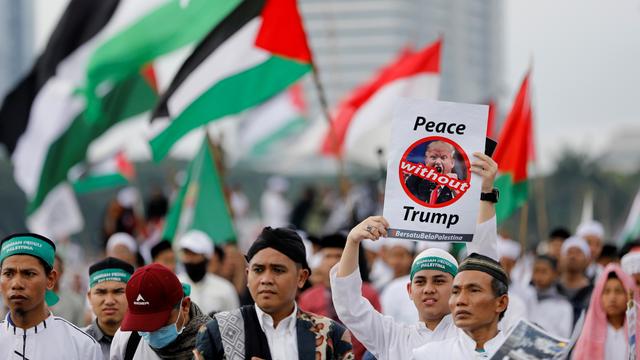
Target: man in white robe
point(429, 289)
point(30, 330)
point(508, 254)
point(478, 301)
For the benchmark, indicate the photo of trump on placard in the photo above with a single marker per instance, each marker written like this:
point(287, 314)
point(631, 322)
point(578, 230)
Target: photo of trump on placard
point(441, 158)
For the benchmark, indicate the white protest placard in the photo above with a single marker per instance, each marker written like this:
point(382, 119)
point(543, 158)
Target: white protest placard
point(430, 192)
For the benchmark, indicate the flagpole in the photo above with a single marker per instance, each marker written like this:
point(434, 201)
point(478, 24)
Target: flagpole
point(524, 221)
point(324, 106)
point(541, 206)
point(217, 156)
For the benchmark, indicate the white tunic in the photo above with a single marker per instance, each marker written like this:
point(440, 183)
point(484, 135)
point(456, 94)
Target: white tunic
point(52, 339)
point(212, 293)
point(275, 209)
point(119, 346)
point(615, 347)
point(396, 302)
point(550, 310)
point(383, 336)
point(516, 311)
point(458, 347)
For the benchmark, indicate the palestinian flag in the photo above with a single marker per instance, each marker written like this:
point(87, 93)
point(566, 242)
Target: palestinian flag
point(256, 52)
point(166, 26)
point(362, 121)
point(113, 172)
point(201, 202)
point(513, 154)
point(80, 22)
point(48, 132)
point(267, 125)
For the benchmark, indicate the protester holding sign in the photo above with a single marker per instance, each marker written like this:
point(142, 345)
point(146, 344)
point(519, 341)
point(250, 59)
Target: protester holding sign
point(432, 274)
point(30, 331)
point(478, 302)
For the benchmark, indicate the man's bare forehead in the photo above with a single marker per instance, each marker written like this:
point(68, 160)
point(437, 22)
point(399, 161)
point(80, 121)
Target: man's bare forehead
point(468, 277)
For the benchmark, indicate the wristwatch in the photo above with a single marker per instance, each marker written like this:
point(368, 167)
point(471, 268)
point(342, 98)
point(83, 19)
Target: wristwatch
point(490, 196)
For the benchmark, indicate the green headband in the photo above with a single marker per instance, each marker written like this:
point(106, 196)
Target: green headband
point(118, 275)
point(29, 245)
point(434, 263)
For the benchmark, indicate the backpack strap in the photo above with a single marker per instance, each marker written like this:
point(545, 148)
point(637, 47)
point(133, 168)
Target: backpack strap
point(132, 345)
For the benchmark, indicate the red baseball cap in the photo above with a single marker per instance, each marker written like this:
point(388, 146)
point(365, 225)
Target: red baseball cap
point(152, 293)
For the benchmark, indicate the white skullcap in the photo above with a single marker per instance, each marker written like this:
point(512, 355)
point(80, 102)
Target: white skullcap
point(277, 183)
point(198, 242)
point(127, 197)
point(438, 253)
point(508, 248)
point(122, 238)
point(410, 245)
point(424, 245)
point(434, 259)
point(593, 228)
point(631, 263)
point(577, 242)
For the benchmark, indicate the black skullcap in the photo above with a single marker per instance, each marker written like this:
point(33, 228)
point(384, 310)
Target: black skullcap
point(157, 207)
point(552, 261)
point(284, 240)
point(485, 264)
point(160, 247)
point(111, 263)
point(219, 251)
point(337, 240)
point(313, 239)
point(560, 232)
point(609, 251)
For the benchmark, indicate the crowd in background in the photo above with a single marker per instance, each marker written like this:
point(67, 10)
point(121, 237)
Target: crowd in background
point(574, 279)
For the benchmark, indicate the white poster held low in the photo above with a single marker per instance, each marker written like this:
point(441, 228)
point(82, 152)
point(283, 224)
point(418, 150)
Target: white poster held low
point(431, 193)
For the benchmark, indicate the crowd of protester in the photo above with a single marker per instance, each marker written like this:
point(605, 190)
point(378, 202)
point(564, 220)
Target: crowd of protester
point(354, 293)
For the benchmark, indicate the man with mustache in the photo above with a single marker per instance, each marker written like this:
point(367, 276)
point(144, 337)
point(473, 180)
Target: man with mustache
point(30, 331)
point(429, 288)
point(275, 327)
point(440, 156)
point(107, 283)
point(478, 302)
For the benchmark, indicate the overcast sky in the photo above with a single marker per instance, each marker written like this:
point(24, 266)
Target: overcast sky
point(586, 72)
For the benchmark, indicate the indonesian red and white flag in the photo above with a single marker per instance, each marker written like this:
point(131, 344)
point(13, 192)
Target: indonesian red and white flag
point(362, 122)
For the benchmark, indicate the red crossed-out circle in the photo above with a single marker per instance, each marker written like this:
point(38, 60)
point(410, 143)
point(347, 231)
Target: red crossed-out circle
point(458, 149)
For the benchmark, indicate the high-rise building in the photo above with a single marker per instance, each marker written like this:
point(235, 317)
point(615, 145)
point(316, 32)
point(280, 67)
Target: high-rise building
point(16, 38)
point(351, 39)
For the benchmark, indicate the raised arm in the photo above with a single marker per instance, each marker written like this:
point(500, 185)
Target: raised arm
point(485, 240)
point(374, 330)
point(371, 228)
